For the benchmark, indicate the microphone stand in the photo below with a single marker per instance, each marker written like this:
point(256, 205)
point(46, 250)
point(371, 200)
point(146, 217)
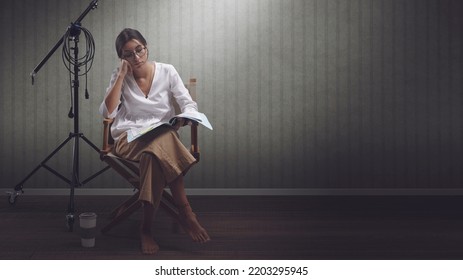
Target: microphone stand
point(76, 135)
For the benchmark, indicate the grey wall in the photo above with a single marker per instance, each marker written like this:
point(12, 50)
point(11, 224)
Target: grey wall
point(302, 93)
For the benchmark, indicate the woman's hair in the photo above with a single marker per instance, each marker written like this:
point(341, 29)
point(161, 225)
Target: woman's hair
point(126, 35)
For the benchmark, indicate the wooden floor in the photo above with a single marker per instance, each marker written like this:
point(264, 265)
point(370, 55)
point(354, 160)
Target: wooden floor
point(248, 227)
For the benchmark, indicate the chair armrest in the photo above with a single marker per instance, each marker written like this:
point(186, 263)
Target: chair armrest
point(194, 141)
point(108, 141)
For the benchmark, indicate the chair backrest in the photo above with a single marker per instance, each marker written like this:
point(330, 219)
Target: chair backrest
point(108, 141)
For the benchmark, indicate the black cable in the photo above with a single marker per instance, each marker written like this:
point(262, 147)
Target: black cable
point(84, 60)
point(71, 62)
point(71, 109)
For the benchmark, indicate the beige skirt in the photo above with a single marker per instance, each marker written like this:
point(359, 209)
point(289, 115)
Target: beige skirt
point(162, 157)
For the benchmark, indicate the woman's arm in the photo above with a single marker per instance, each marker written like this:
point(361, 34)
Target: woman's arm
point(180, 92)
point(113, 96)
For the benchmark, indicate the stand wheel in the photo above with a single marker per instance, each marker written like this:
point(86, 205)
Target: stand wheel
point(12, 199)
point(70, 222)
point(13, 196)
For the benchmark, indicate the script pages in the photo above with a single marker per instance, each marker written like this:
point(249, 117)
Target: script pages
point(198, 117)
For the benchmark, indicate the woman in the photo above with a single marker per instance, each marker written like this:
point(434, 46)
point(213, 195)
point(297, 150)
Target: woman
point(139, 94)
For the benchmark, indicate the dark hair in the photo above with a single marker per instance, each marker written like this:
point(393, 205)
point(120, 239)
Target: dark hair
point(126, 35)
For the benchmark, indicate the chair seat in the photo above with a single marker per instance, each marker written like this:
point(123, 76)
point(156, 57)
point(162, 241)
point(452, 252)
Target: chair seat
point(127, 169)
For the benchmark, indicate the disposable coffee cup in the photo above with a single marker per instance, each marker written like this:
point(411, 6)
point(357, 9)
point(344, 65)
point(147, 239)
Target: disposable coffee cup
point(87, 229)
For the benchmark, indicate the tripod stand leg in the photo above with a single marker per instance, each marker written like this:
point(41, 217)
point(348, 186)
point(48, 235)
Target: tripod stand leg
point(18, 189)
point(70, 217)
point(90, 143)
point(98, 150)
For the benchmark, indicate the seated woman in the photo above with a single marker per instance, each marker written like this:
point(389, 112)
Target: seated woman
point(139, 94)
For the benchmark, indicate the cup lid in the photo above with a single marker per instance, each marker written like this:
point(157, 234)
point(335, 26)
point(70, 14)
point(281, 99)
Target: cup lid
point(87, 215)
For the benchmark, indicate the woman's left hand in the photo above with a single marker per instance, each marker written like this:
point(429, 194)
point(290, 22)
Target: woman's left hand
point(181, 122)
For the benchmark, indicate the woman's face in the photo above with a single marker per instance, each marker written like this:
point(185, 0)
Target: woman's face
point(135, 53)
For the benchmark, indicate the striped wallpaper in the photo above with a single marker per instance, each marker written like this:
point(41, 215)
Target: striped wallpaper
point(322, 94)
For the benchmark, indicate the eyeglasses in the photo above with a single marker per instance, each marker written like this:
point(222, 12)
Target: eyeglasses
point(130, 55)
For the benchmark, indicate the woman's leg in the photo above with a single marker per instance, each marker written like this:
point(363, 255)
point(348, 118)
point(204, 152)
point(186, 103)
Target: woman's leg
point(148, 245)
point(189, 220)
point(152, 185)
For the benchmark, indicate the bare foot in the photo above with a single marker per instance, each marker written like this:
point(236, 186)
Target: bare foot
point(148, 245)
point(193, 228)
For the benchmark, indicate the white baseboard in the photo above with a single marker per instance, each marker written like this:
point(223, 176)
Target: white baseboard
point(249, 191)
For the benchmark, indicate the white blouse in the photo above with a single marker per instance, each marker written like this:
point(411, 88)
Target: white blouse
point(137, 111)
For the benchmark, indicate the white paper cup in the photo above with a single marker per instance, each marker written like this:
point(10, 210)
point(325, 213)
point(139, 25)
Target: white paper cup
point(87, 229)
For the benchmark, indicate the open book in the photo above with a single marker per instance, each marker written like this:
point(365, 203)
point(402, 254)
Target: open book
point(134, 133)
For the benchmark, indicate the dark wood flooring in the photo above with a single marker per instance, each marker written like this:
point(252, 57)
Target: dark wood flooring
point(248, 227)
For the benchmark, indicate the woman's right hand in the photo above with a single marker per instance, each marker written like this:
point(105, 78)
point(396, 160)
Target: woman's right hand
point(113, 97)
point(125, 68)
